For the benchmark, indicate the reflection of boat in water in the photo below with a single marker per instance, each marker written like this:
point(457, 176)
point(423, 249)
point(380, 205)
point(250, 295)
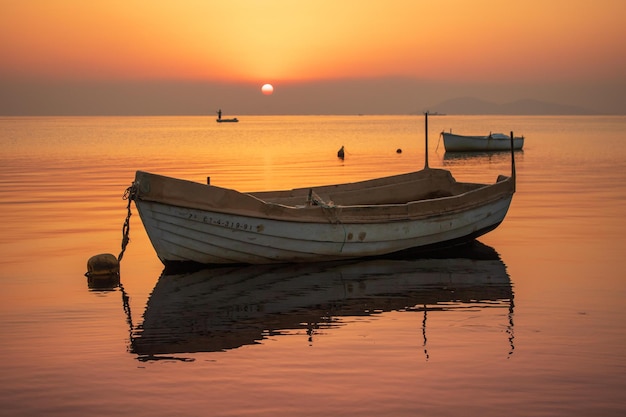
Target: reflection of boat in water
point(216, 309)
point(474, 157)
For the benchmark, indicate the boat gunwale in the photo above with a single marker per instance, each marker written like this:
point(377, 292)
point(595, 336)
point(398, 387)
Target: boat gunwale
point(255, 207)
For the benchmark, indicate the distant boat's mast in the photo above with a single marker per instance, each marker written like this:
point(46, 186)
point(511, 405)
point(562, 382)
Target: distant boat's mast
point(513, 160)
point(426, 140)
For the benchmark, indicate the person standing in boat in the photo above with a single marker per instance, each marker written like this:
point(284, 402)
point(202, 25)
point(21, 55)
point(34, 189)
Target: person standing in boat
point(219, 114)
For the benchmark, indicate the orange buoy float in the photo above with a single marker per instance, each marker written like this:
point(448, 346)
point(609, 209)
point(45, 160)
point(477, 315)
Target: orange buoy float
point(103, 271)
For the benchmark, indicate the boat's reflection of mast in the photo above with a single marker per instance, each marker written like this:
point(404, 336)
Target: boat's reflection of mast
point(510, 327)
point(129, 317)
point(424, 332)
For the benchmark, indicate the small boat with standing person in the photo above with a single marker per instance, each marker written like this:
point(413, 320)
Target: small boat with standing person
point(220, 120)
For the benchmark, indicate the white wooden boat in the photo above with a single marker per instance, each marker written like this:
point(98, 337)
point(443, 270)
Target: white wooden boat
point(216, 309)
point(193, 222)
point(490, 142)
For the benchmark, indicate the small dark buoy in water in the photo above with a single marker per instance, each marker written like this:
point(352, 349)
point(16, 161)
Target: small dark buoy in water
point(103, 264)
point(103, 271)
point(340, 153)
point(398, 150)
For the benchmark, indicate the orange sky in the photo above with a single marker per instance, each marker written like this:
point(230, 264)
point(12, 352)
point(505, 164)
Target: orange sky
point(287, 41)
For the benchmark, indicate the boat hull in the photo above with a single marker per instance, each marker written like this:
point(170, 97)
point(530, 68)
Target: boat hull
point(192, 222)
point(461, 143)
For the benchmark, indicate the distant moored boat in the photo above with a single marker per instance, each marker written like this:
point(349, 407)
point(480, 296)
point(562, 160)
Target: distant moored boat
point(490, 142)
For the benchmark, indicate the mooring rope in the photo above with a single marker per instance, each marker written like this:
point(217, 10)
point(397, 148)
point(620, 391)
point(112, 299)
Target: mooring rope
point(331, 210)
point(129, 195)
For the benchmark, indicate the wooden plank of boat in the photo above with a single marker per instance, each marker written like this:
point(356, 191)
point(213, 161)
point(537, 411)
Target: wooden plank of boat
point(491, 142)
point(193, 222)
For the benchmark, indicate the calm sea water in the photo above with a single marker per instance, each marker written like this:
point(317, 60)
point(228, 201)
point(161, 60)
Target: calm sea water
point(534, 325)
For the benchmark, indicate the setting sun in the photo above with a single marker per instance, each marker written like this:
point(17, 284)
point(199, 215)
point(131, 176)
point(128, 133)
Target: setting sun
point(223, 51)
point(267, 89)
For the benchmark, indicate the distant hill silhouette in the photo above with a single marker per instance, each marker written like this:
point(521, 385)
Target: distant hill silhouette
point(471, 105)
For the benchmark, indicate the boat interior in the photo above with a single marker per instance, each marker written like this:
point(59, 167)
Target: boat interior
point(399, 189)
